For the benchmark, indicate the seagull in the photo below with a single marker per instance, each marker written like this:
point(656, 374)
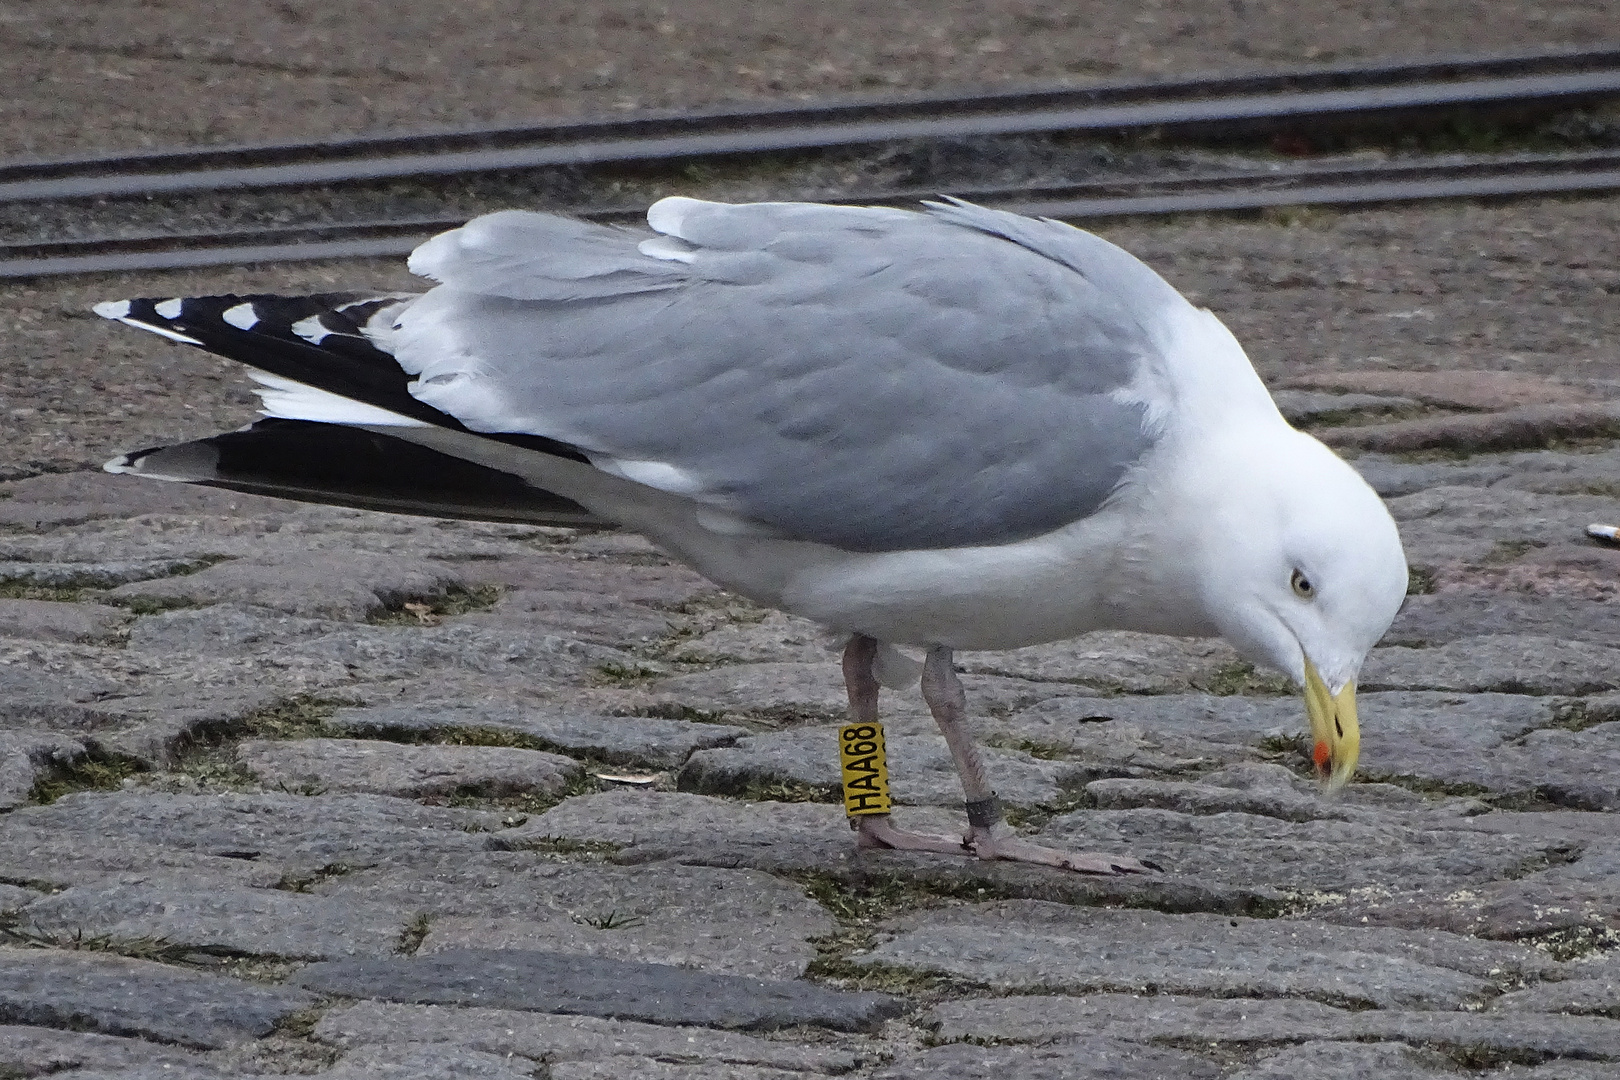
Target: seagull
point(947, 428)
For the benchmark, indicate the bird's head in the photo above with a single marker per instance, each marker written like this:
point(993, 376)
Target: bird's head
point(1303, 572)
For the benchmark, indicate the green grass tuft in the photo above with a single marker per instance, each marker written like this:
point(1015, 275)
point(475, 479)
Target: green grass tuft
point(1506, 551)
point(302, 716)
point(301, 1025)
point(97, 770)
point(790, 791)
point(90, 586)
point(428, 610)
point(294, 881)
point(414, 933)
point(611, 921)
point(1571, 714)
point(24, 589)
point(594, 850)
point(859, 904)
point(1574, 942)
point(1284, 744)
point(213, 767)
point(519, 808)
point(870, 896)
point(1046, 751)
point(836, 968)
point(614, 673)
point(150, 605)
point(779, 717)
point(136, 948)
point(1240, 677)
point(1037, 816)
point(675, 711)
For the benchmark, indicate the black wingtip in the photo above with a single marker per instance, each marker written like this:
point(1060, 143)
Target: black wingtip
point(317, 340)
point(344, 466)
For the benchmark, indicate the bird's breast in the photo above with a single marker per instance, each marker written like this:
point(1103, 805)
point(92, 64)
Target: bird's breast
point(1071, 581)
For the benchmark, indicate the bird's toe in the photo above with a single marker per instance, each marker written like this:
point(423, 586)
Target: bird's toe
point(1012, 849)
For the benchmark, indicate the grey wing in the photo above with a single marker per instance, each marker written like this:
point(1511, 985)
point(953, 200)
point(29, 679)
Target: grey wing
point(873, 379)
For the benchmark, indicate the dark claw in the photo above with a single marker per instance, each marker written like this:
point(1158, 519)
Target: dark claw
point(1151, 865)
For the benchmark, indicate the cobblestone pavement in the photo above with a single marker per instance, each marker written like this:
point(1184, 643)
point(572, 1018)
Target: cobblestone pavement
point(302, 789)
point(298, 789)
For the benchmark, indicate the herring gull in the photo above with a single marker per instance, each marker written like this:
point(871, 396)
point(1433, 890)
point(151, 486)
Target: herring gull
point(950, 428)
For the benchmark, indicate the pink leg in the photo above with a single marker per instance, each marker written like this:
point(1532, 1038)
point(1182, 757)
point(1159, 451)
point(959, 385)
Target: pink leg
point(987, 836)
point(877, 830)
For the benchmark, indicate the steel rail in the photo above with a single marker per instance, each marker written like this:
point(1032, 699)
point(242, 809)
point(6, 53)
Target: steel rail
point(1303, 100)
point(1322, 185)
point(855, 108)
point(656, 122)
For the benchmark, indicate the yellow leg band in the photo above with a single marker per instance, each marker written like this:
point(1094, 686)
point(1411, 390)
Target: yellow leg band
point(866, 769)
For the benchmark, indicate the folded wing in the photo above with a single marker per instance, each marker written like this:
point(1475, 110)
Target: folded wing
point(868, 378)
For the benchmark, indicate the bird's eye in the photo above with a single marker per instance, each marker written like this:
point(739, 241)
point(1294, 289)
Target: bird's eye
point(1301, 585)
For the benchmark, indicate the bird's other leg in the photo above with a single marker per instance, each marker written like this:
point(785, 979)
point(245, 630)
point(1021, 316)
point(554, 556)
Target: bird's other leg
point(988, 836)
point(876, 830)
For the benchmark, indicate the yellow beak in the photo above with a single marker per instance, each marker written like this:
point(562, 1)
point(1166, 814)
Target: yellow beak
point(1335, 736)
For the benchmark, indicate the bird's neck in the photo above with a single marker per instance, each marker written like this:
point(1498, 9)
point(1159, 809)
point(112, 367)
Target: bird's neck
point(1211, 384)
point(1212, 409)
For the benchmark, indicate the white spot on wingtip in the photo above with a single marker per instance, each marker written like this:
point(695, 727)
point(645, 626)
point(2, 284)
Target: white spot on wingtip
point(135, 465)
point(242, 316)
point(311, 330)
point(112, 309)
point(364, 300)
point(169, 309)
point(161, 331)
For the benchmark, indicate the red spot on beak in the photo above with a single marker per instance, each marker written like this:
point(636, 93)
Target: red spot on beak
point(1322, 756)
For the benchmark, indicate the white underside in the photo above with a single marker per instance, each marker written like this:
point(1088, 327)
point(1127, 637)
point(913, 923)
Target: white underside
point(1046, 588)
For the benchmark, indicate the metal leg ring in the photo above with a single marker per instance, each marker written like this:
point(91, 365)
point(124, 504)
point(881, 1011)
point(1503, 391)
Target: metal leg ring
point(984, 813)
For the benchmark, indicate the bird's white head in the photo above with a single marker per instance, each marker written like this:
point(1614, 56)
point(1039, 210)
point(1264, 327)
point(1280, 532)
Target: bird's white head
point(1301, 569)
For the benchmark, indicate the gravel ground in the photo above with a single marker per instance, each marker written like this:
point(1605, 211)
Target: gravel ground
point(309, 790)
point(121, 75)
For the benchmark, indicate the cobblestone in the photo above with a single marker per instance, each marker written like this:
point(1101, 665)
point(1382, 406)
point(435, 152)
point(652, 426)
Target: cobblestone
point(266, 776)
point(632, 740)
point(1239, 1021)
point(727, 921)
point(1078, 1059)
point(553, 983)
point(1033, 945)
point(410, 771)
point(115, 996)
point(38, 1051)
point(557, 1038)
